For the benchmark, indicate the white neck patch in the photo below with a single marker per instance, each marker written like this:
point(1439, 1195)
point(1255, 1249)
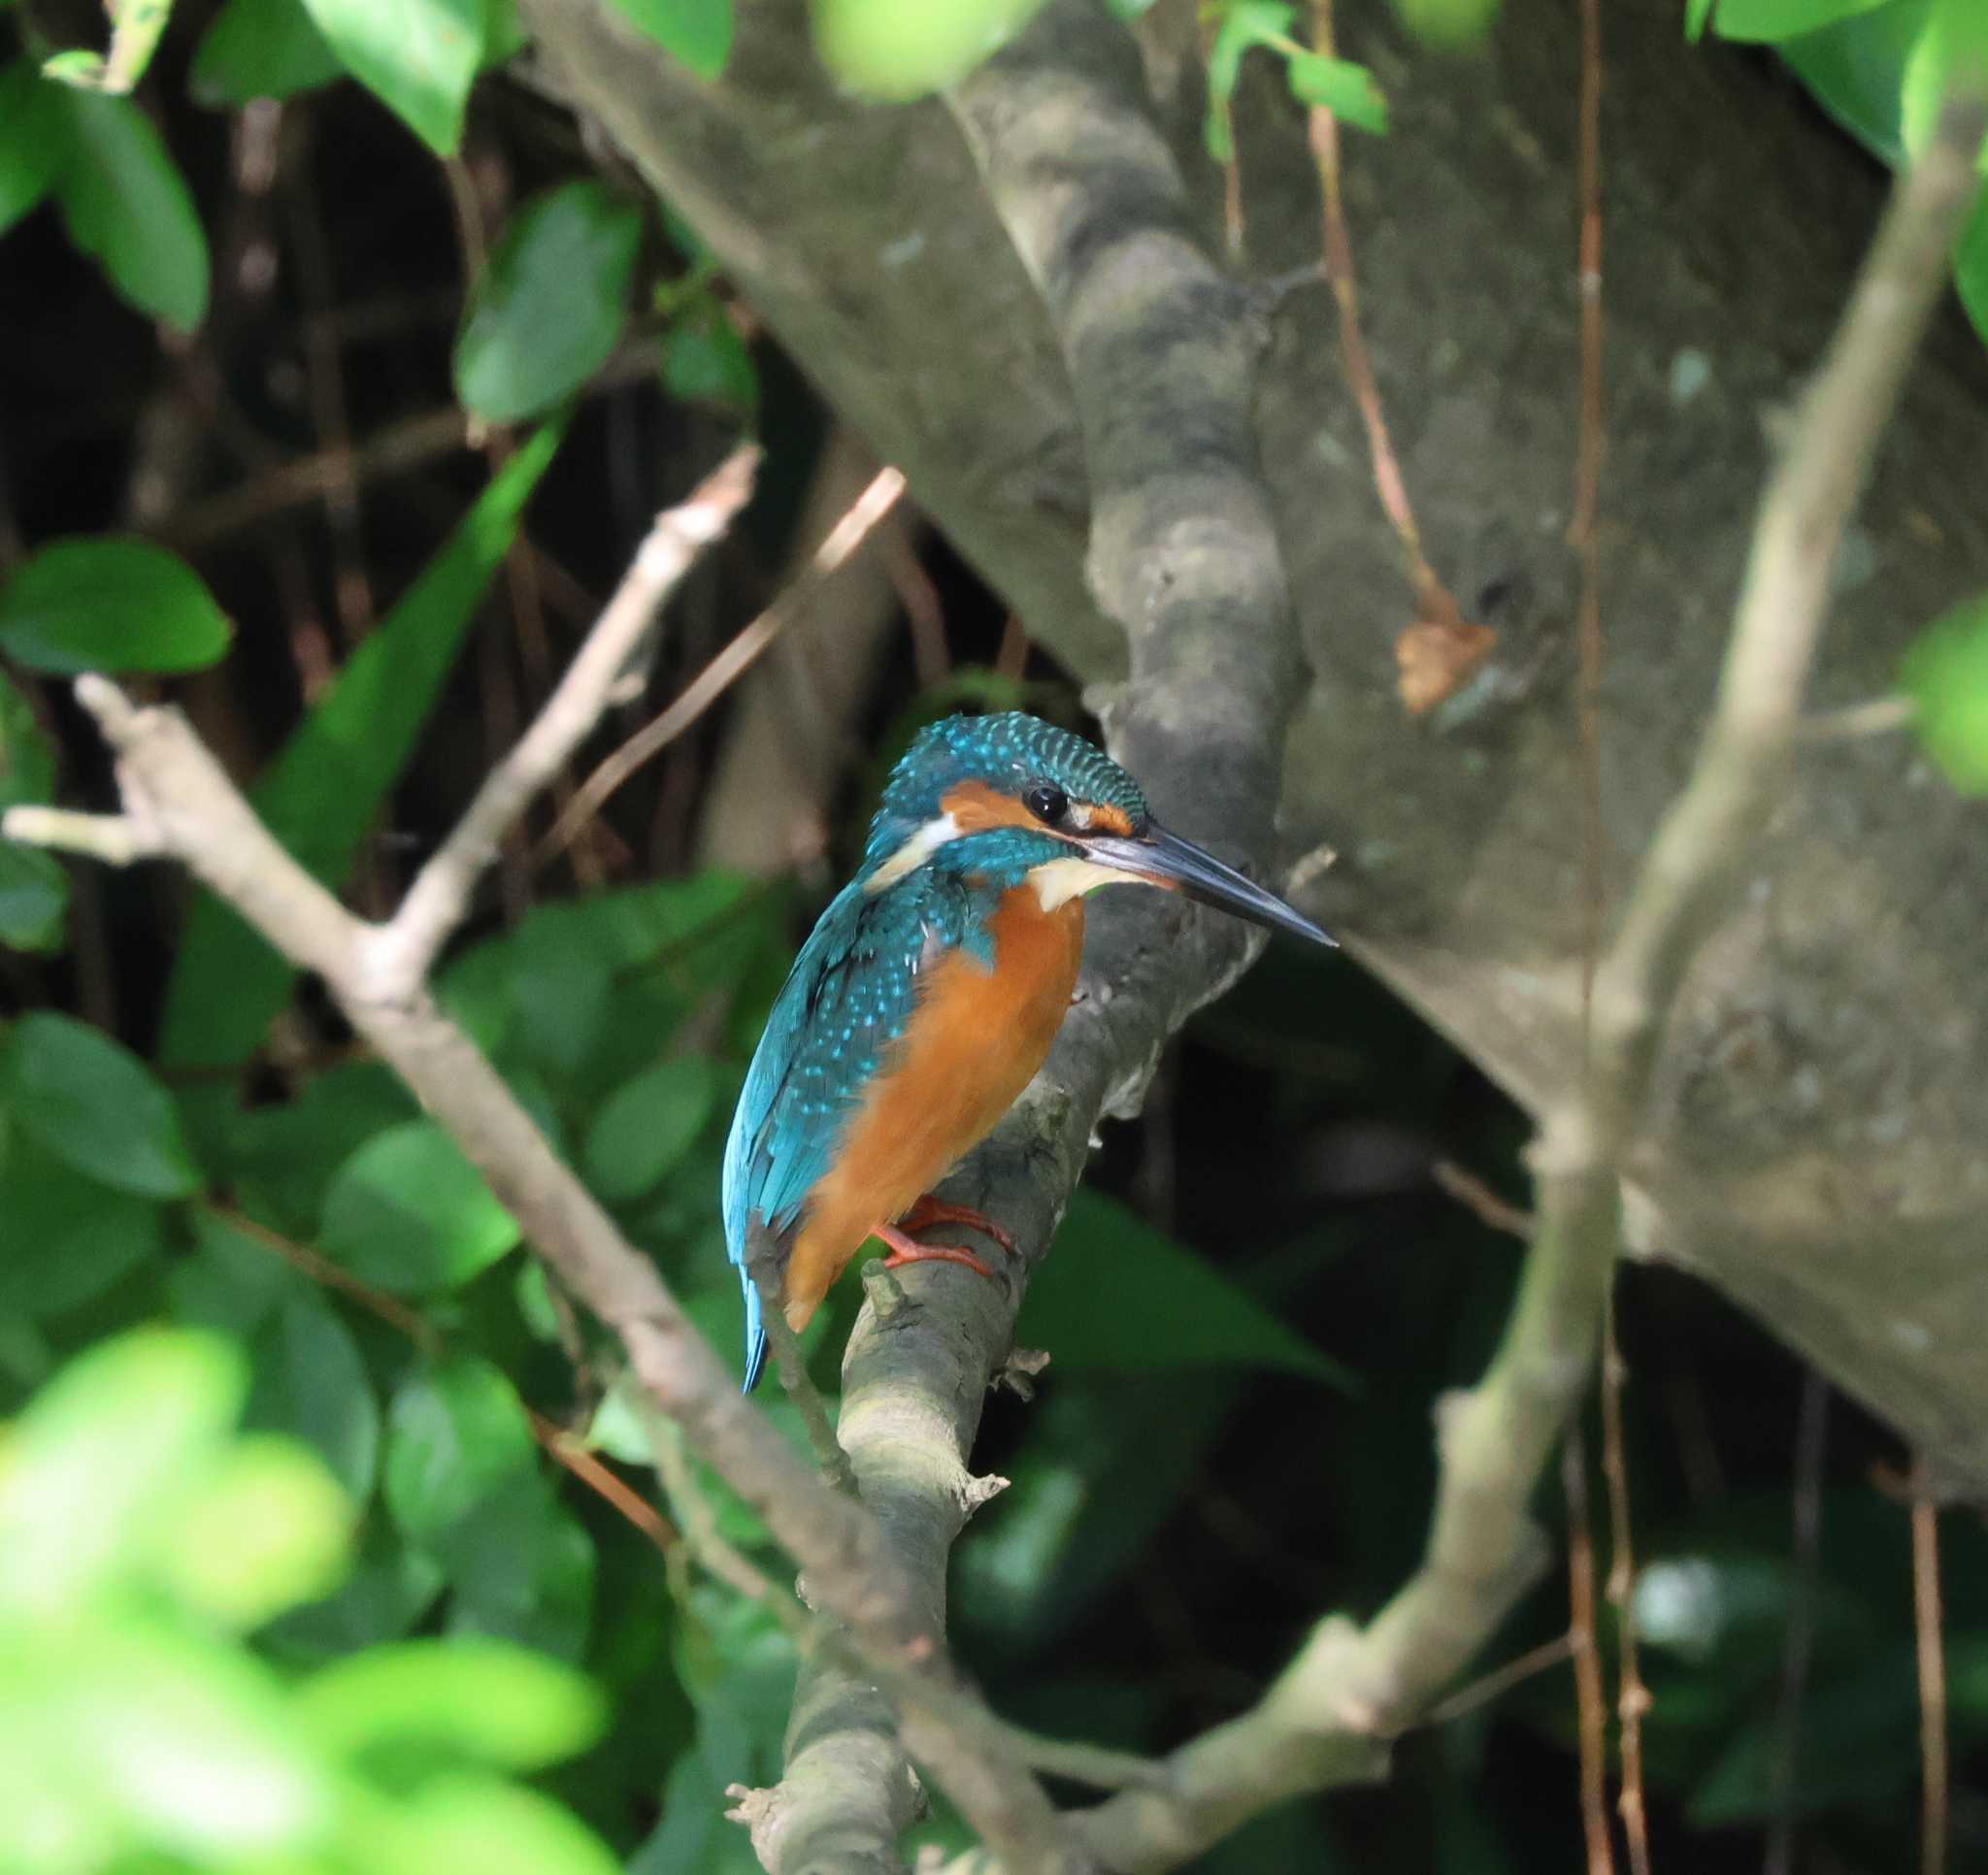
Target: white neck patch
point(913, 853)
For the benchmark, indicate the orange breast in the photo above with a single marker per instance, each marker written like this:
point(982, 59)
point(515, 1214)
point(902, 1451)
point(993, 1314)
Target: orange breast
point(976, 1038)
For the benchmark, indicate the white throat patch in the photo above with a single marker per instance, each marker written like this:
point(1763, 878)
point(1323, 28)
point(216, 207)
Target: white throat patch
point(1060, 880)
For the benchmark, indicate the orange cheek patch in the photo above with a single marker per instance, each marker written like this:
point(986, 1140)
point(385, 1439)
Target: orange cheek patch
point(1106, 819)
point(975, 807)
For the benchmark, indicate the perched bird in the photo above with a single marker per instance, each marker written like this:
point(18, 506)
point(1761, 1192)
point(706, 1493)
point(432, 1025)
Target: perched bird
point(930, 991)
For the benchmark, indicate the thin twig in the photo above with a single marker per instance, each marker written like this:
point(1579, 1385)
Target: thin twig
point(1587, 1657)
point(436, 902)
point(1501, 1679)
point(1926, 1627)
point(1632, 1696)
point(1474, 1196)
point(1811, 1428)
point(1584, 531)
point(725, 669)
point(795, 1379)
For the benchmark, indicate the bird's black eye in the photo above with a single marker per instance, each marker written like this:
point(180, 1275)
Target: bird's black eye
point(1050, 804)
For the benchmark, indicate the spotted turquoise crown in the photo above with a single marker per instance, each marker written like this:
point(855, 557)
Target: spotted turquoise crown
point(1010, 751)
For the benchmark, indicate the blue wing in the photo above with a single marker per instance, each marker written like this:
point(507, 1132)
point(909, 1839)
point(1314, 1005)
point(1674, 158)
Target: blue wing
point(848, 997)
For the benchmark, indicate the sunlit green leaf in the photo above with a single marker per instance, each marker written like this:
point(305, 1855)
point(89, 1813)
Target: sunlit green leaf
point(128, 207)
point(66, 1238)
point(1771, 21)
point(548, 306)
point(495, 1829)
point(647, 1124)
point(416, 57)
point(1946, 675)
point(696, 32)
point(102, 604)
point(456, 1434)
point(266, 1528)
point(323, 791)
point(1244, 24)
point(409, 1212)
point(34, 133)
point(261, 48)
point(902, 49)
point(1856, 68)
point(112, 1442)
point(92, 1103)
point(1169, 1306)
point(1339, 85)
point(1449, 26)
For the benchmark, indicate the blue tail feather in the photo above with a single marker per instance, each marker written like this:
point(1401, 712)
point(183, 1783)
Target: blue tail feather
point(755, 1334)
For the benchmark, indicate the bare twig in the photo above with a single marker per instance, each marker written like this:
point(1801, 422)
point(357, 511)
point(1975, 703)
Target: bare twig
point(1584, 531)
point(1926, 1626)
point(1632, 1696)
point(1587, 1657)
point(1473, 1195)
point(716, 676)
point(1501, 1679)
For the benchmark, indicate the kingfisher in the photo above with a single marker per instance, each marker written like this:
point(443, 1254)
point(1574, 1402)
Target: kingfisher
point(929, 992)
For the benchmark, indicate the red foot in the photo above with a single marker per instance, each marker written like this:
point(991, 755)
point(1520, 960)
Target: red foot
point(904, 1250)
point(930, 1210)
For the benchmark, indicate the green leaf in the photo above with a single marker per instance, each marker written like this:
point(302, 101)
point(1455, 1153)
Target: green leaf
point(898, 50)
point(91, 1102)
point(1169, 1307)
point(1243, 25)
point(1339, 85)
point(390, 1588)
point(704, 360)
point(1856, 69)
point(34, 890)
point(1696, 15)
point(697, 33)
point(103, 604)
point(107, 1446)
point(409, 1212)
point(1969, 270)
point(67, 1239)
point(284, 1157)
point(34, 133)
point(267, 1528)
point(483, 1698)
point(1946, 675)
point(128, 207)
point(1449, 26)
point(311, 1382)
point(261, 48)
point(647, 1127)
point(1949, 57)
point(456, 1434)
point(416, 57)
point(323, 789)
point(547, 309)
point(496, 1828)
point(1766, 21)
point(521, 1569)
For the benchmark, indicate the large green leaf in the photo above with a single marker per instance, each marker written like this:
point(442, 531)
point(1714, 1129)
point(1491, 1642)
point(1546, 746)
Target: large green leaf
point(647, 1124)
point(550, 305)
point(1945, 674)
point(416, 57)
point(128, 207)
point(321, 792)
point(91, 1102)
point(261, 48)
point(477, 1823)
point(66, 1238)
point(1117, 1294)
point(696, 32)
point(456, 1435)
point(902, 49)
point(409, 1212)
point(1771, 21)
point(34, 138)
point(34, 890)
point(1856, 69)
point(102, 604)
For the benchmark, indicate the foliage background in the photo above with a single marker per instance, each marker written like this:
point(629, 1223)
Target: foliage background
point(1250, 1311)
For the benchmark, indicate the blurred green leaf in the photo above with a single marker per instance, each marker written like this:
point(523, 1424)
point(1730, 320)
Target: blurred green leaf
point(67, 1239)
point(261, 48)
point(521, 1568)
point(92, 1103)
point(1971, 266)
point(281, 1159)
point(1339, 85)
point(1856, 70)
point(1449, 26)
point(483, 1698)
point(545, 311)
point(1765, 21)
point(266, 1530)
point(696, 32)
point(311, 1383)
point(389, 1589)
point(1118, 1294)
point(416, 57)
point(34, 890)
point(1697, 15)
point(103, 604)
point(323, 791)
point(126, 206)
point(495, 1829)
point(456, 1434)
point(1946, 675)
point(409, 1212)
point(34, 133)
point(1244, 24)
point(1948, 58)
point(109, 1445)
point(703, 359)
point(647, 1127)
point(897, 49)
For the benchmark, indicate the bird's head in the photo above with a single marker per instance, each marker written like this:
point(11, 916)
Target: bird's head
point(1012, 796)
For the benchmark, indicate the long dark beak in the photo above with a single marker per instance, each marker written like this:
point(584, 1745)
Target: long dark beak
point(1166, 859)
